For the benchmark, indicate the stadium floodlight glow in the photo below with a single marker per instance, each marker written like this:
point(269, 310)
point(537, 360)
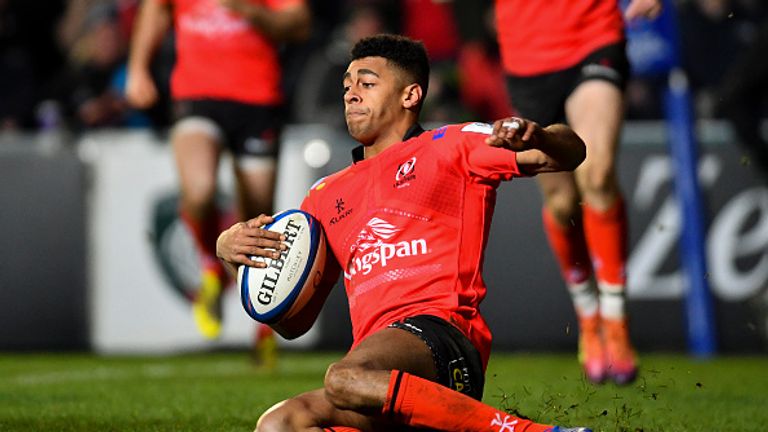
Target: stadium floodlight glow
point(317, 153)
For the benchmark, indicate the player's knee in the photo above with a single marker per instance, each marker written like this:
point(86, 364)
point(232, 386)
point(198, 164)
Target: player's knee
point(563, 207)
point(598, 181)
point(339, 381)
point(561, 199)
point(285, 416)
point(198, 194)
point(273, 419)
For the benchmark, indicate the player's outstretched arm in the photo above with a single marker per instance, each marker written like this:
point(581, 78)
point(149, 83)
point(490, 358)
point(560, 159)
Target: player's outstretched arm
point(291, 24)
point(242, 240)
point(539, 150)
point(151, 25)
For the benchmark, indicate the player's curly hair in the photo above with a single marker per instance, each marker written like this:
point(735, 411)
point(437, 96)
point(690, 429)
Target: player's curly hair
point(405, 53)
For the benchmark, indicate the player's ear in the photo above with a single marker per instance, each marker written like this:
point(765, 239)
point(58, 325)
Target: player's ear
point(412, 95)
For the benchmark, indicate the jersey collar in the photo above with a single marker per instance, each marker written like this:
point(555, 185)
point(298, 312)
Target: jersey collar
point(414, 131)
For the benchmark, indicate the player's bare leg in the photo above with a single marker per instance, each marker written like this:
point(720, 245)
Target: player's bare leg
point(355, 387)
point(599, 125)
point(196, 146)
point(255, 182)
point(563, 224)
point(387, 384)
point(605, 222)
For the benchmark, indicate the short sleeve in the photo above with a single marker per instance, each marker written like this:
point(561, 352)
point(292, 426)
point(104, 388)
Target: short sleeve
point(308, 204)
point(484, 161)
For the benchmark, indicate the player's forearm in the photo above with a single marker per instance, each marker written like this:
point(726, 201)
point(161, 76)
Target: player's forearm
point(151, 25)
point(291, 25)
point(563, 148)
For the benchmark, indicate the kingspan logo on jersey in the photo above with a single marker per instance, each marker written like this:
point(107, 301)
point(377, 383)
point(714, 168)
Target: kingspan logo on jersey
point(371, 248)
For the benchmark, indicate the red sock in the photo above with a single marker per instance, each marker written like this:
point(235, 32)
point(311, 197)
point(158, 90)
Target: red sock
point(570, 248)
point(606, 234)
point(205, 233)
point(263, 332)
point(421, 403)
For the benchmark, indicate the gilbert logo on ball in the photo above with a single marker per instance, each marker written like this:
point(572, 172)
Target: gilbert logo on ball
point(275, 292)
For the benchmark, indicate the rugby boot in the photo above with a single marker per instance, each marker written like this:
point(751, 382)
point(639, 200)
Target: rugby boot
point(206, 308)
point(620, 356)
point(592, 354)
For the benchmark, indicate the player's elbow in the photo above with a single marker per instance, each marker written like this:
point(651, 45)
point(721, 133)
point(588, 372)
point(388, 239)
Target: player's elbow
point(564, 148)
point(570, 156)
point(579, 154)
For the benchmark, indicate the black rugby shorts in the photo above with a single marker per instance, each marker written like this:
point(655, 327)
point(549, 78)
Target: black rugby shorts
point(541, 98)
point(248, 130)
point(457, 361)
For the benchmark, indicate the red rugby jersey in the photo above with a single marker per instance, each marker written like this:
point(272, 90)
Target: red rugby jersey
point(409, 228)
point(537, 37)
point(219, 55)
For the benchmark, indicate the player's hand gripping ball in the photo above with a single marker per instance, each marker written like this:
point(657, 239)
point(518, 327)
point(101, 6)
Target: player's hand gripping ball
point(290, 291)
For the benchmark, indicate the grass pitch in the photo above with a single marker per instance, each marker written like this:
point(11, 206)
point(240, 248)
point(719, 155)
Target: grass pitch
point(225, 392)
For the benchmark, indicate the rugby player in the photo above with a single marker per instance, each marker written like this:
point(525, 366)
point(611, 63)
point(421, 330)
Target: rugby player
point(227, 96)
point(408, 222)
point(575, 72)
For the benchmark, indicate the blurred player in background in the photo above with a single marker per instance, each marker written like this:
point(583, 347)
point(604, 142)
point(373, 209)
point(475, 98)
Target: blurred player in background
point(566, 62)
point(226, 90)
point(393, 219)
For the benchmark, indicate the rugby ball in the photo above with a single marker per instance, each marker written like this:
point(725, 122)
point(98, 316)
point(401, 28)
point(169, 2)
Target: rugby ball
point(289, 292)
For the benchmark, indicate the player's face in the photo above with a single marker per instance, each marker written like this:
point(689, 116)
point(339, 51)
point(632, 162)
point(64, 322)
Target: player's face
point(372, 98)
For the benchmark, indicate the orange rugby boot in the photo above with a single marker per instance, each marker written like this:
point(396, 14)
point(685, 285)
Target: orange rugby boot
point(621, 357)
point(592, 354)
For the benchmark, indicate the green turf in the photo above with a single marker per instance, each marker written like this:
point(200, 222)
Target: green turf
point(224, 392)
